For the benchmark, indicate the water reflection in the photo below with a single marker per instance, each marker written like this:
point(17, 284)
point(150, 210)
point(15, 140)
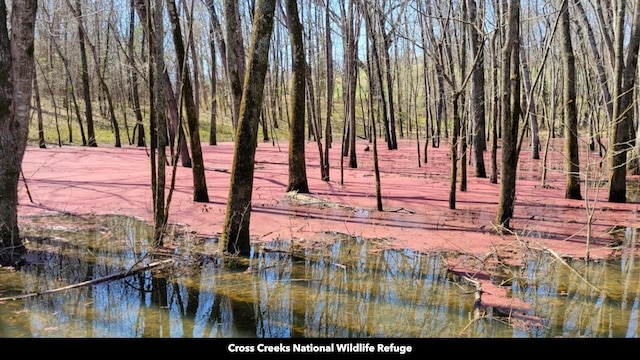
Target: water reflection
point(351, 288)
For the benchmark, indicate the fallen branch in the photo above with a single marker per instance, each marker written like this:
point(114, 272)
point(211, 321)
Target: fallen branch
point(112, 277)
point(554, 254)
point(563, 262)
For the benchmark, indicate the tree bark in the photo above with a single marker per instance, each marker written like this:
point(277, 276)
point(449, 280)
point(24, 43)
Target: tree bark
point(623, 108)
point(235, 57)
point(330, 89)
point(235, 234)
point(18, 69)
point(200, 192)
point(297, 165)
point(479, 143)
point(42, 144)
point(86, 87)
point(572, 163)
point(599, 62)
point(158, 122)
point(133, 78)
point(96, 59)
point(510, 103)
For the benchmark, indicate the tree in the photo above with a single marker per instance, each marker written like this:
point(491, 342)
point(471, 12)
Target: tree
point(158, 122)
point(235, 57)
point(623, 107)
point(350, 26)
point(235, 234)
point(297, 165)
point(572, 164)
point(200, 193)
point(510, 106)
point(133, 76)
point(215, 35)
point(18, 69)
point(96, 58)
point(477, 91)
point(86, 87)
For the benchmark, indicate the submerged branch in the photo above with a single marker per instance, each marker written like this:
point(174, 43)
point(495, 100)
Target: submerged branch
point(112, 277)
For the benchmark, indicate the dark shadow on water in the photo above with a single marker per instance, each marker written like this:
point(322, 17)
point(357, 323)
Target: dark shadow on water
point(347, 287)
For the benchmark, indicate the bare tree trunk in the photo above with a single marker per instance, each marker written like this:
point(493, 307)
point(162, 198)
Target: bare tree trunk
point(373, 52)
point(158, 122)
point(86, 88)
point(235, 234)
point(330, 89)
point(42, 144)
point(297, 165)
point(599, 62)
point(195, 60)
point(392, 143)
point(623, 109)
point(18, 69)
point(493, 177)
point(133, 78)
point(454, 150)
point(200, 192)
point(213, 131)
point(427, 107)
point(55, 106)
point(530, 106)
point(351, 80)
point(96, 59)
point(479, 143)
point(510, 116)
point(378, 81)
point(571, 152)
point(235, 56)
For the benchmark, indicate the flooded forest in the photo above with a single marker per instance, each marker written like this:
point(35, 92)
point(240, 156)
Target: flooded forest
point(319, 169)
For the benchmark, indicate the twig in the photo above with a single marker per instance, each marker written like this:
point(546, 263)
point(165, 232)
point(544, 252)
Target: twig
point(117, 276)
point(558, 257)
point(573, 270)
point(24, 180)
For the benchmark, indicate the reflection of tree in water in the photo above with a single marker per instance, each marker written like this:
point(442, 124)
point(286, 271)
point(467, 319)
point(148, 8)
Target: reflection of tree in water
point(351, 288)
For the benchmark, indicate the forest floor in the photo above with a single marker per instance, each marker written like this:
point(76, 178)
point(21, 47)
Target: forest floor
point(415, 199)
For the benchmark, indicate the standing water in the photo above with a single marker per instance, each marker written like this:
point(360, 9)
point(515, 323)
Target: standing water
point(346, 288)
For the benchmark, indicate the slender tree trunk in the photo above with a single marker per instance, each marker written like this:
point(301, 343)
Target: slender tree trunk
point(55, 106)
point(42, 144)
point(133, 78)
point(86, 88)
point(454, 150)
point(510, 116)
point(213, 131)
point(623, 108)
point(373, 52)
point(297, 165)
point(351, 79)
point(200, 192)
point(330, 89)
point(393, 142)
point(572, 164)
point(158, 122)
point(495, 118)
point(599, 62)
point(101, 81)
point(530, 106)
point(235, 234)
point(235, 56)
point(477, 93)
